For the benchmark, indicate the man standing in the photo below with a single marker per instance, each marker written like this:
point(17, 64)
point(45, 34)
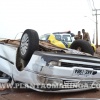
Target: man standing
point(86, 35)
point(78, 36)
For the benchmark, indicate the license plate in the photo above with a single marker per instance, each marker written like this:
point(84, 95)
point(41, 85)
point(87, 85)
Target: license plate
point(82, 72)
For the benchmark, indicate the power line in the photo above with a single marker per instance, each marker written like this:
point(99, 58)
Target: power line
point(93, 4)
point(96, 14)
point(89, 4)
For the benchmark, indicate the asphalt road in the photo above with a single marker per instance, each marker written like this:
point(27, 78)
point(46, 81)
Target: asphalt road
point(28, 94)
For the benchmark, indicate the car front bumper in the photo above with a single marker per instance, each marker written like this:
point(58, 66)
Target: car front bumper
point(74, 73)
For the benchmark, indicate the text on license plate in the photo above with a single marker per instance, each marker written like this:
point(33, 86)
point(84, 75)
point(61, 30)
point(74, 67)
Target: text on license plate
point(82, 72)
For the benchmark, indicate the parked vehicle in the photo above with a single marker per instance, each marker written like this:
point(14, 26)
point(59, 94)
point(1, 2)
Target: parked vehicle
point(45, 67)
point(63, 37)
point(68, 40)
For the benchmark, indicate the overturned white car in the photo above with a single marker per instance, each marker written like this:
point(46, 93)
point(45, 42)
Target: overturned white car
point(46, 68)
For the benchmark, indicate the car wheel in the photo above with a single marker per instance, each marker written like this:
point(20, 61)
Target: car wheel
point(82, 46)
point(28, 44)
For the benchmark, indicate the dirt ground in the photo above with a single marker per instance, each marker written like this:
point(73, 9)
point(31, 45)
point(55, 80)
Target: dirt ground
point(28, 94)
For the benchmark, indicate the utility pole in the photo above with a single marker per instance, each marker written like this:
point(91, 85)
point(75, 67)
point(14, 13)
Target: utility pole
point(96, 14)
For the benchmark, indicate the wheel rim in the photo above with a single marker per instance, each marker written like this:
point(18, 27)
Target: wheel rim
point(24, 44)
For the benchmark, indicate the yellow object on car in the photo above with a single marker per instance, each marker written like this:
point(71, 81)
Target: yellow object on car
point(56, 42)
point(93, 46)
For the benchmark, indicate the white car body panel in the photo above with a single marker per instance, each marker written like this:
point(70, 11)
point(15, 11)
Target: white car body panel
point(37, 71)
point(8, 52)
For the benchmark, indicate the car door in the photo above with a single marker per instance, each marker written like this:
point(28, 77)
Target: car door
point(7, 58)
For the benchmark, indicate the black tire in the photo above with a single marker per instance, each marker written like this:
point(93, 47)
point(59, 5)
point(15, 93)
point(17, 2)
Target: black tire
point(84, 45)
point(32, 42)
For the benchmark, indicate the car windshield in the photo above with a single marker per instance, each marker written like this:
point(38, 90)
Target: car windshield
point(67, 38)
point(58, 37)
point(44, 37)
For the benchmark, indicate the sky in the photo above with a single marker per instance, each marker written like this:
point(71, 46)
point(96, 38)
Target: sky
point(46, 16)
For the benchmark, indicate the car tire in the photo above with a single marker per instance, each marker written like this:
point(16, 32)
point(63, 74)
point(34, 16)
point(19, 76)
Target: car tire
point(84, 45)
point(28, 44)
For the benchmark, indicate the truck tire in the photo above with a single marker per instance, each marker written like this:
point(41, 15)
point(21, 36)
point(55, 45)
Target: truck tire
point(83, 45)
point(28, 44)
